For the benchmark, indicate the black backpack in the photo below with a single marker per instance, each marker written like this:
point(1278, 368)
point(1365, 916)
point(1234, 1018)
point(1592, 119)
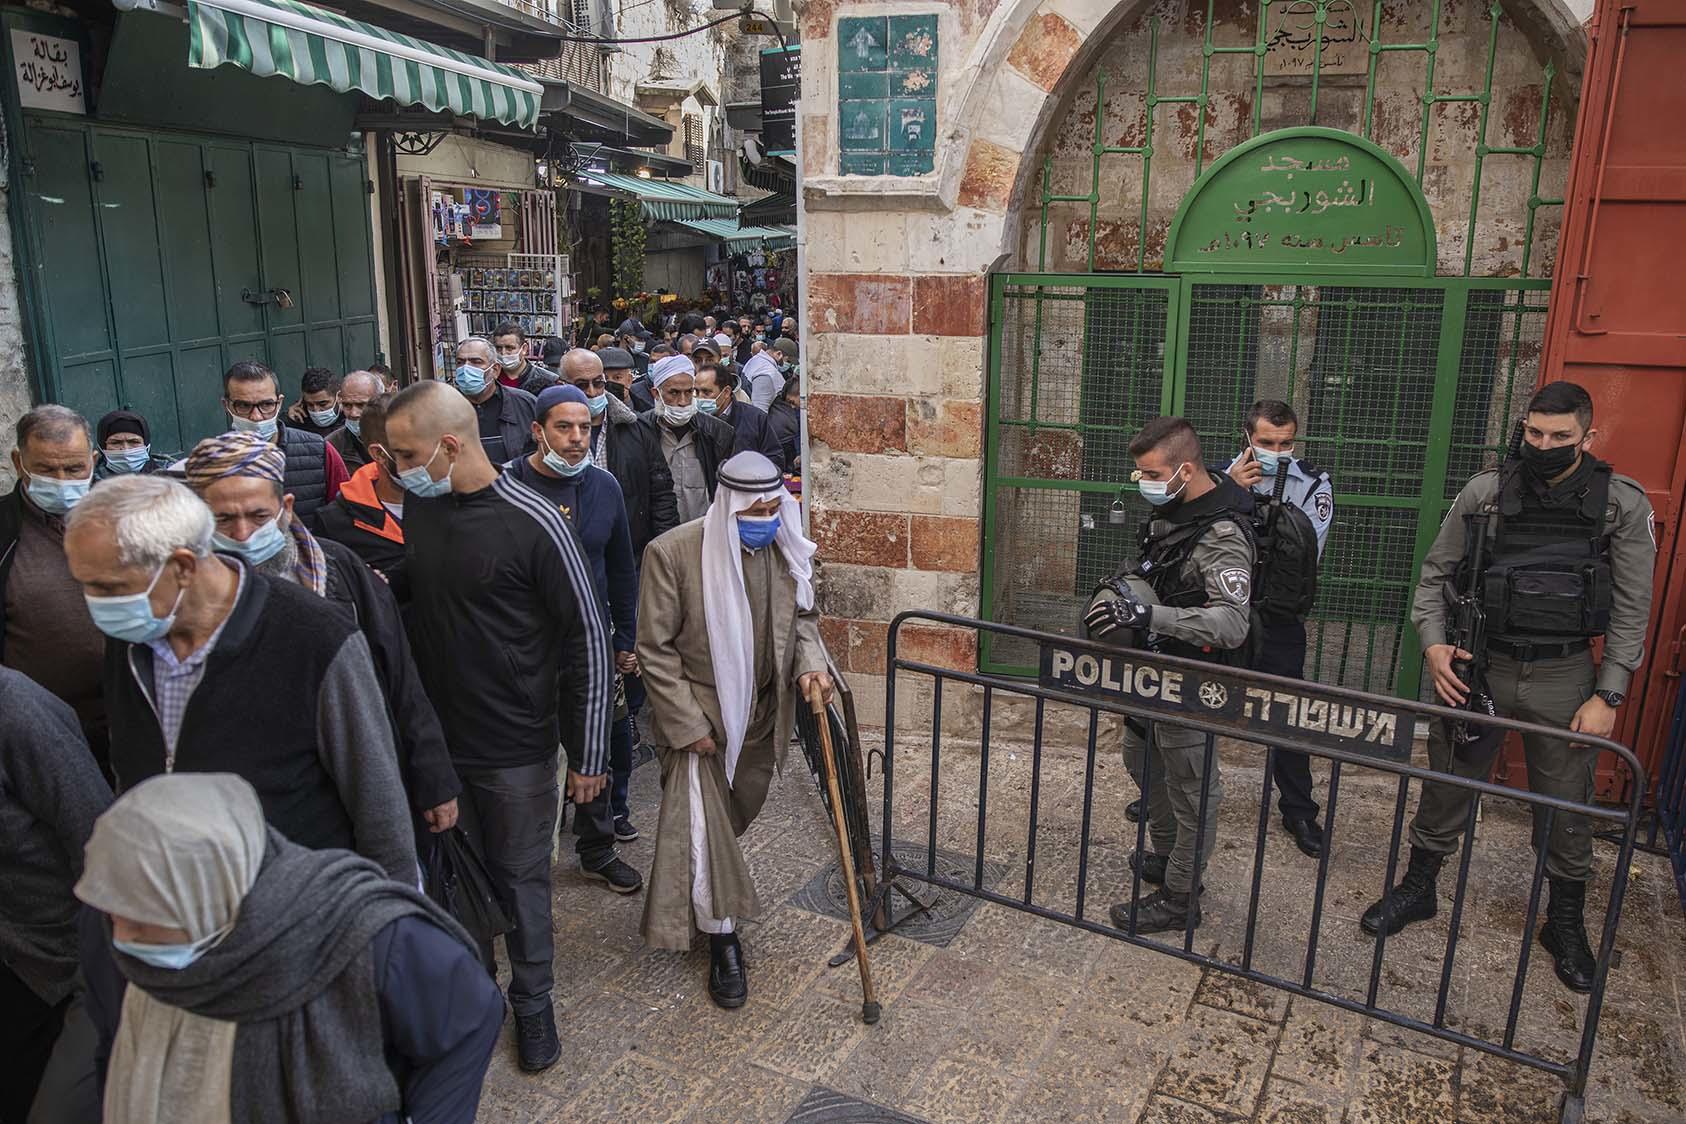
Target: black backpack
point(1285, 579)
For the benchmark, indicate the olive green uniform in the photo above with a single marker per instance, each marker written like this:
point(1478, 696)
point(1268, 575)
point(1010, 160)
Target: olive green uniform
point(1546, 691)
point(1168, 762)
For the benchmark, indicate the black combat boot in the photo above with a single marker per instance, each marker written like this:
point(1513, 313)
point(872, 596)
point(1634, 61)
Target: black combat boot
point(1564, 935)
point(1163, 911)
point(1152, 866)
point(1414, 899)
point(728, 984)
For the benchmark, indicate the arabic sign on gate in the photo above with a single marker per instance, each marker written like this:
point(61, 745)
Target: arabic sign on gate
point(1251, 712)
point(48, 70)
point(1309, 200)
point(1298, 42)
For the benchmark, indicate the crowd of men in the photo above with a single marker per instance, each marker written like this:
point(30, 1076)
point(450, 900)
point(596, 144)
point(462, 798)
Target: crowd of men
point(354, 625)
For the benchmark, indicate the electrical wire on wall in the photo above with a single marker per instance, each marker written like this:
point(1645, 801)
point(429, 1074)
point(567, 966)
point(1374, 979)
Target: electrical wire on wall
point(699, 29)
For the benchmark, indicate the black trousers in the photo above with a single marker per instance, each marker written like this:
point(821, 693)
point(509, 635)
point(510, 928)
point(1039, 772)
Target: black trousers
point(27, 1033)
point(1284, 655)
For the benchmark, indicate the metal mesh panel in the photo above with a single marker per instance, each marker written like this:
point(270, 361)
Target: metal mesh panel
point(1497, 372)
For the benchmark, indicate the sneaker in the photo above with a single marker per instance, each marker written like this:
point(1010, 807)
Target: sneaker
point(618, 876)
point(624, 831)
point(535, 1040)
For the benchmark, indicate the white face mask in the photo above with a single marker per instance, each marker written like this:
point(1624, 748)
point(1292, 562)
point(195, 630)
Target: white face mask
point(679, 415)
point(509, 362)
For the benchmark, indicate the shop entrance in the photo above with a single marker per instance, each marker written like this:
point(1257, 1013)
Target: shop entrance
point(165, 257)
point(1299, 266)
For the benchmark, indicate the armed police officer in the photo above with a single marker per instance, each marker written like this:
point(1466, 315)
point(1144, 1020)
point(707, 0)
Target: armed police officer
point(1197, 557)
point(1296, 505)
point(1552, 550)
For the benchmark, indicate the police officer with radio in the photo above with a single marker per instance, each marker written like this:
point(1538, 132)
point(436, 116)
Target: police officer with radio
point(1570, 549)
point(1291, 526)
point(1197, 557)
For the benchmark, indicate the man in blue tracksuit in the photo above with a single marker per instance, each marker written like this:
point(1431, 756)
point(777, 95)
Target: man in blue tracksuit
point(561, 470)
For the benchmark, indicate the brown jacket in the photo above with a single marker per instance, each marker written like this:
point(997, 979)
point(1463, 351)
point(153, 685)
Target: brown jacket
point(673, 643)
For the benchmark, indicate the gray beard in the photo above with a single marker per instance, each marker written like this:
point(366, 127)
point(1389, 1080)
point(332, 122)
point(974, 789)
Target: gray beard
point(280, 568)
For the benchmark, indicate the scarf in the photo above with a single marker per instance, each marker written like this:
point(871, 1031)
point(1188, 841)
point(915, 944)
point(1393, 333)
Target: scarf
point(743, 480)
point(280, 1019)
point(310, 567)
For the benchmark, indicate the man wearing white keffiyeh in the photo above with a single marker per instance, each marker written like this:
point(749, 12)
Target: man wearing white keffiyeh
point(728, 640)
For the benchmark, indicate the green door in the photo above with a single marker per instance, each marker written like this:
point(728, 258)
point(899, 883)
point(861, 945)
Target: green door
point(165, 257)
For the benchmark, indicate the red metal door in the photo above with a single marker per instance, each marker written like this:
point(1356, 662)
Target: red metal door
point(1617, 322)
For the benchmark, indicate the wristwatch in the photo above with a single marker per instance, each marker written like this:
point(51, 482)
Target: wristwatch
point(1611, 698)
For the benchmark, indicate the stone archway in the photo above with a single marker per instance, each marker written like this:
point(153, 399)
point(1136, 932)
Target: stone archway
point(896, 290)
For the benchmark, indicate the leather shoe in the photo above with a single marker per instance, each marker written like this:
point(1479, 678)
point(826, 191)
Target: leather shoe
point(1308, 837)
point(1133, 811)
point(728, 983)
point(535, 1040)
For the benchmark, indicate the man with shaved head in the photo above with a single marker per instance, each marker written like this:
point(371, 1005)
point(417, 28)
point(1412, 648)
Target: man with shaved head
point(503, 414)
point(513, 647)
point(356, 391)
point(630, 452)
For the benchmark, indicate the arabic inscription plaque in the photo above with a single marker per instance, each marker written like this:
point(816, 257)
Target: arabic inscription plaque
point(48, 71)
point(1308, 200)
point(1293, 39)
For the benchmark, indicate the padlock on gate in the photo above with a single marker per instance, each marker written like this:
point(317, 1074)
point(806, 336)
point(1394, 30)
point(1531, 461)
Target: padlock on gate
point(1116, 515)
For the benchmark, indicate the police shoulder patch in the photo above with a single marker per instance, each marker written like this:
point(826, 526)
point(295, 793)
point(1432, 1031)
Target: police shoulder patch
point(1325, 505)
point(1237, 584)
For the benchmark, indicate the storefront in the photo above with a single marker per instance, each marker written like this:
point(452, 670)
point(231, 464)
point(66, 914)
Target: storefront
point(178, 203)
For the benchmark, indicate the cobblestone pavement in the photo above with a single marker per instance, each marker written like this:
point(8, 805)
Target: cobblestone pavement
point(1018, 1018)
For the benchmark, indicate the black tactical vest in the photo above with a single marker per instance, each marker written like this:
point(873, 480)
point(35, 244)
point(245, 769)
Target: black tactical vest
point(1164, 549)
point(1549, 578)
point(1285, 576)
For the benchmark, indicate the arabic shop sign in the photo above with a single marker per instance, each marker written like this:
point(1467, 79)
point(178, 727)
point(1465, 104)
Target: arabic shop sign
point(48, 70)
point(1310, 200)
point(1307, 713)
point(1299, 43)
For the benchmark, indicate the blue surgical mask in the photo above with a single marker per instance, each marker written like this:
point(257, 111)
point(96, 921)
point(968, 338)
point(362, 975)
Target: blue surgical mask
point(129, 616)
point(470, 380)
point(1156, 492)
point(354, 426)
point(417, 482)
point(756, 531)
point(322, 419)
point(707, 405)
point(173, 957)
point(57, 497)
point(597, 405)
point(1269, 459)
point(562, 468)
point(128, 460)
point(264, 428)
point(260, 546)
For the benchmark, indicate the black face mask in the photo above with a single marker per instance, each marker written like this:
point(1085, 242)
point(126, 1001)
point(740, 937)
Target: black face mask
point(1548, 464)
point(617, 390)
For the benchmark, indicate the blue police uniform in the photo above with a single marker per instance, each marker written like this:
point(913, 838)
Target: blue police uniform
point(1283, 650)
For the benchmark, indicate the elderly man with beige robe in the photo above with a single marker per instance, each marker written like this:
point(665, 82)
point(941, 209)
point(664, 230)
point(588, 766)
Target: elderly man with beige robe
point(728, 638)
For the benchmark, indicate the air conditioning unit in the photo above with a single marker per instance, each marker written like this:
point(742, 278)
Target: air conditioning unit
point(716, 176)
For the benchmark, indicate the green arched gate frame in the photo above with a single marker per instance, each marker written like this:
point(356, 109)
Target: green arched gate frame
point(1300, 266)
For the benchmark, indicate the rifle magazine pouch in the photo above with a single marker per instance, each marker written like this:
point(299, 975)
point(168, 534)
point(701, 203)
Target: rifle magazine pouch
point(1555, 597)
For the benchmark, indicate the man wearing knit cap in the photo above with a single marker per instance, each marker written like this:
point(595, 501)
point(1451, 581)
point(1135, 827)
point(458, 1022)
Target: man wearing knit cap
point(694, 444)
point(561, 470)
point(125, 446)
point(239, 476)
point(728, 638)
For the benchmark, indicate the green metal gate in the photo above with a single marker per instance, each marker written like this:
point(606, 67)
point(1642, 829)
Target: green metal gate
point(1405, 382)
point(162, 256)
point(1404, 390)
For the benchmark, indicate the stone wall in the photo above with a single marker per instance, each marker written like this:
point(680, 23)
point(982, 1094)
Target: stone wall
point(896, 278)
point(16, 394)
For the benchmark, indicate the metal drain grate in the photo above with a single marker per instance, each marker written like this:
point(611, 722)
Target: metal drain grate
point(822, 1106)
point(949, 912)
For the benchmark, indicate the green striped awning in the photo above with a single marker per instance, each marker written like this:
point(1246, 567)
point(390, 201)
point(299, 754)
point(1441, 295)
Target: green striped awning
point(313, 46)
point(672, 202)
point(739, 239)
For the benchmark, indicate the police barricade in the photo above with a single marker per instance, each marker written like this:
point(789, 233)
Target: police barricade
point(1351, 730)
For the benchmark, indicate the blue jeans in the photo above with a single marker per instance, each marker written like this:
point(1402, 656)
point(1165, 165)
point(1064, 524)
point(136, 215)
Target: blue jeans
point(620, 764)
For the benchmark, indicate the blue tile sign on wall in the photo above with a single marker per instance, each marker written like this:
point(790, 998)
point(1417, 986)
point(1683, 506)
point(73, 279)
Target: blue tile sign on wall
point(887, 94)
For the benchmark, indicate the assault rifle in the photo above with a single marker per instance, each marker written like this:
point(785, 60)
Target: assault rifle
point(1469, 616)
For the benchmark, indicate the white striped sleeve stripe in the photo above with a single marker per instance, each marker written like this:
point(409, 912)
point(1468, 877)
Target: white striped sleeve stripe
point(600, 670)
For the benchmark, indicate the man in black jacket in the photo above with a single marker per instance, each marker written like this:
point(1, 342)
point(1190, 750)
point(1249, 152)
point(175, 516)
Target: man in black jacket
point(717, 395)
point(628, 450)
point(693, 444)
point(513, 647)
point(357, 390)
point(239, 477)
point(504, 414)
point(215, 668)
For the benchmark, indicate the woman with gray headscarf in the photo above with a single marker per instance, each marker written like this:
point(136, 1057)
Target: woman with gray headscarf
point(270, 982)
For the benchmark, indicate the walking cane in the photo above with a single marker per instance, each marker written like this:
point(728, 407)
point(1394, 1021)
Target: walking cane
point(869, 999)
